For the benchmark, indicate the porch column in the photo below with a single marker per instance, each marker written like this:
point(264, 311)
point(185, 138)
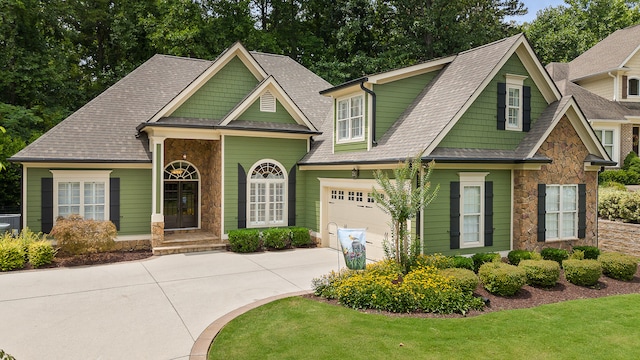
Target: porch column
point(157, 188)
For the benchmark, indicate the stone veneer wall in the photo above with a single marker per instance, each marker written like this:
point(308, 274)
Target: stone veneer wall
point(619, 236)
point(567, 151)
point(205, 155)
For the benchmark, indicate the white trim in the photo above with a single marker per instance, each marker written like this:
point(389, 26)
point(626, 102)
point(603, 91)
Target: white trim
point(24, 196)
point(89, 166)
point(235, 50)
point(540, 77)
point(268, 102)
point(560, 212)
point(270, 85)
point(472, 179)
point(81, 177)
point(519, 117)
point(615, 151)
point(410, 71)
point(350, 138)
point(285, 208)
point(628, 94)
point(222, 178)
point(632, 54)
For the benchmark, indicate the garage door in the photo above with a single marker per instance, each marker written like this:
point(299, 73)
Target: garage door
point(351, 208)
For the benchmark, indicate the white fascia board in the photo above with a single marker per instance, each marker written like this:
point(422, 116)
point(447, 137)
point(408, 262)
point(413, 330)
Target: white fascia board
point(272, 85)
point(235, 50)
point(409, 71)
point(634, 52)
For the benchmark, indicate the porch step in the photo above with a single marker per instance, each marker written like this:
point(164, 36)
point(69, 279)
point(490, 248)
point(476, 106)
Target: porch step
point(182, 249)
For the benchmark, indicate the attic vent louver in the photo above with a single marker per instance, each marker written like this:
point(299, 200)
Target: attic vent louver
point(268, 102)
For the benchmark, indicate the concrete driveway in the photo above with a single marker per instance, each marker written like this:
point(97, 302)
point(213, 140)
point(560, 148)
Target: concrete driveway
point(149, 309)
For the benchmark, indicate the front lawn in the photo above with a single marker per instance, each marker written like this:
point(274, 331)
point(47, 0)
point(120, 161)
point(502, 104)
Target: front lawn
point(299, 328)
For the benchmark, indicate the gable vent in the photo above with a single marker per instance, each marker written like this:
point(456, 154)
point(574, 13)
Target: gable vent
point(268, 102)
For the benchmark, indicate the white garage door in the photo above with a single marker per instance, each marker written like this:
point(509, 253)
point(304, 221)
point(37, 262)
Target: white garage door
point(350, 208)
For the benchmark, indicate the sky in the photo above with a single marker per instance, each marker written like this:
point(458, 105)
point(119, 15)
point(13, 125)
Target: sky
point(534, 6)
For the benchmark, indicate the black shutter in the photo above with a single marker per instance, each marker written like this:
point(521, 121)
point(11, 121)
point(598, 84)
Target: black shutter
point(582, 211)
point(542, 195)
point(114, 201)
point(502, 105)
point(488, 213)
point(526, 108)
point(46, 209)
point(242, 198)
point(625, 87)
point(454, 217)
point(291, 201)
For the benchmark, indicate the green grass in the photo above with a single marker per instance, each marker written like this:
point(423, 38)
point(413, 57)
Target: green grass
point(298, 328)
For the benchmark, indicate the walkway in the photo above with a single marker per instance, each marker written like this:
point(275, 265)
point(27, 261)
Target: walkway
point(150, 309)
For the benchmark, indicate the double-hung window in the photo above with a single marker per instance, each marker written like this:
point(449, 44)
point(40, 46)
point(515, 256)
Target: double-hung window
point(350, 119)
point(514, 102)
point(84, 193)
point(633, 87)
point(561, 216)
point(267, 195)
point(472, 195)
point(608, 139)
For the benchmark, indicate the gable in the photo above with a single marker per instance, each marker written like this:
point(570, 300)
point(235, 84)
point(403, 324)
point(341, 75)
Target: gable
point(393, 98)
point(253, 113)
point(220, 94)
point(477, 126)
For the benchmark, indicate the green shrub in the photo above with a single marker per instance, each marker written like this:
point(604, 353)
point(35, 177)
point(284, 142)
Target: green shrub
point(5, 356)
point(300, 237)
point(75, 235)
point(577, 255)
point(590, 252)
point(41, 253)
point(462, 262)
point(245, 240)
point(465, 279)
point(515, 256)
point(557, 255)
point(11, 255)
point(276, 238)
point(627, 160)
point(438, 261)
point(481, 258)
point(613, 186)
point(609, 200)
point(618, 266)
point(502, 279)
point(582, 272)
point(627, 177)
point(544, 273)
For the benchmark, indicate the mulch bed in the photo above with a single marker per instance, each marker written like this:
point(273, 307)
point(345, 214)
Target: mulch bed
point(95, 259)
point(530, 296)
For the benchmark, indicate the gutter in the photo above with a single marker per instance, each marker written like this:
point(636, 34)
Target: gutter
point(373, 111)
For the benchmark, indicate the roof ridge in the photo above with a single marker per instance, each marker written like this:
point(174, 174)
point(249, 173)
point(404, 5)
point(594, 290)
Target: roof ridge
point(491, 43)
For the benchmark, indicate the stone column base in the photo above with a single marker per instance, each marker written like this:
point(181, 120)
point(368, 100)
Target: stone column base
point(157, 234)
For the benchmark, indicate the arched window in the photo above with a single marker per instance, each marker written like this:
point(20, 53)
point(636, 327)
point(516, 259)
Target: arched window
point(634, 87)
point(267, 195)
point(180, 170)
point(181, 195)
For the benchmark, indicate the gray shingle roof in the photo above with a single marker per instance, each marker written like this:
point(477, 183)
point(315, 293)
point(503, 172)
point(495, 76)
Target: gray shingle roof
point(430, 113)
point(593, 106)
point(606, 55)
point(105, 129)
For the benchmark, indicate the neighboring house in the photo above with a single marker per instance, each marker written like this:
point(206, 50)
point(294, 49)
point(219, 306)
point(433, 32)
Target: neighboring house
point(254, 140)
point(605, 81)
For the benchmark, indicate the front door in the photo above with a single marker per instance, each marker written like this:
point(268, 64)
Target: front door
point(180, 204)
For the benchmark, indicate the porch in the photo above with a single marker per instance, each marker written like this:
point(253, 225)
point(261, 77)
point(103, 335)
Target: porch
point(187, 241)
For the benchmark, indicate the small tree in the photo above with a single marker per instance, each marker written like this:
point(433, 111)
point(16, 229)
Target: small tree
point(402, 201)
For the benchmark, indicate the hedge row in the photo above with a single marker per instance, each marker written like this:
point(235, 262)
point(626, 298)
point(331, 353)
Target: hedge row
point(252, 240)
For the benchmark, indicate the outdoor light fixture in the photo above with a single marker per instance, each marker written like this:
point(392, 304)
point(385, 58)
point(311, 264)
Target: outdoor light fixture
point(184, 156)
point(355, 173)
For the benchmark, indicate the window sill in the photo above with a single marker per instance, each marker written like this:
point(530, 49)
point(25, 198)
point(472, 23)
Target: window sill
point(349, 141)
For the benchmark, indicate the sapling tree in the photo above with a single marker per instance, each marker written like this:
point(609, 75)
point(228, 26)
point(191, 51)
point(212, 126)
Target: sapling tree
point(402, 201)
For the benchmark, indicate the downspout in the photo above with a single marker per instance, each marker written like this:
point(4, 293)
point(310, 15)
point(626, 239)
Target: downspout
point(373, 111)
point(615, 85)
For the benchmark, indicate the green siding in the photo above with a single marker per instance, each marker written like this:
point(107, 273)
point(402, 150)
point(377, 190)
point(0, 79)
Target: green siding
point(354, 146)
point(436, 215)
point(247, 151)
point(34, 200)
point(477, 127)
point(220, 94)
point(393, 99)
point(253, 113)
point(135, 199)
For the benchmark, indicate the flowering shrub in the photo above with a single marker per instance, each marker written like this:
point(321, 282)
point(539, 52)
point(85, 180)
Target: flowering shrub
point(436, 260)
point(383, 287)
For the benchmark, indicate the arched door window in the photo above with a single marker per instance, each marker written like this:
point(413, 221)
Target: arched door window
point(267, 195)
point(181, 195)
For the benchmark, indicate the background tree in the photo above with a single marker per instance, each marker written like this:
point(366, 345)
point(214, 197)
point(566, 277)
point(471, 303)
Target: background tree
point(560, 34)
point(402, 201)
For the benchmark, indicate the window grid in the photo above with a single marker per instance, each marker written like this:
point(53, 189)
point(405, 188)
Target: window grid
point(607, 139)
point(513, 107)
point(350, 119)
point(561, 218)
point(267, 195)
point(471, 213)
point(89, 203)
